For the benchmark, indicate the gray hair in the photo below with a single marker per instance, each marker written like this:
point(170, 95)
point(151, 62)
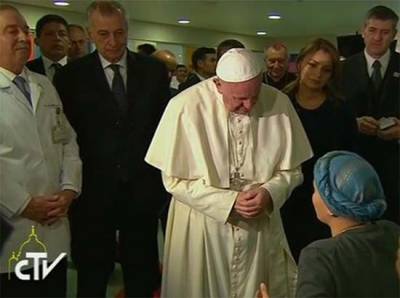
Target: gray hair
point(4, 7)
point(106, 8)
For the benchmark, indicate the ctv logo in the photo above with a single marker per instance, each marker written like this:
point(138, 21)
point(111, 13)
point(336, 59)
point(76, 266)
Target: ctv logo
point(35, 260)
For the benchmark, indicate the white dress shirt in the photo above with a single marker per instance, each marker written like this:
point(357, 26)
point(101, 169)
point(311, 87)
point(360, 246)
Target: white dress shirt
point(384, 60)
point(49, 68)
point(199, 76)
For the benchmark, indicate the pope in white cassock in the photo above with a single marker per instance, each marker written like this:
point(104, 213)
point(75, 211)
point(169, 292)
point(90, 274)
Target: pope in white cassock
point(230, 151)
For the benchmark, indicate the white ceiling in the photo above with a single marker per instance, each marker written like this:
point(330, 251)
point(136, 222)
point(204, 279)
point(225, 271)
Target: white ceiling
point(300, 17)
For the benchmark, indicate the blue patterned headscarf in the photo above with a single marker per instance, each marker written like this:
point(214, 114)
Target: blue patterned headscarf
point(349, 186)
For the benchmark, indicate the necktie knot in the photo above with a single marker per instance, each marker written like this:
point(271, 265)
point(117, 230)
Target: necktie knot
point(19, 81)
point(115, 68)
point(56, 66)
point(376, 65)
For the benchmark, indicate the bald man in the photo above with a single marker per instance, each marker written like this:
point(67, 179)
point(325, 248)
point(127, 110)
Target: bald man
point(79, 42)
point(168, 58)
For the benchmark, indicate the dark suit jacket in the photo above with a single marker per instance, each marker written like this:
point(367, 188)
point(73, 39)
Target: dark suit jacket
point(112, 145)
point(191, 80)
point(358, 90)
point(36, 65)
point(282, 83)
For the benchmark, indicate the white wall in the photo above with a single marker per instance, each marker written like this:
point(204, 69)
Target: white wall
point(169, 36)
point(150, 32)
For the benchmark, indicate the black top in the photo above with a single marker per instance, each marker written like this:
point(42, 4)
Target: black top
point(355, 263)
point(329, 127)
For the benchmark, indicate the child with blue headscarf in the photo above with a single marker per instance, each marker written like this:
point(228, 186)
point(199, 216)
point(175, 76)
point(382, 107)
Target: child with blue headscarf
point(359, 259)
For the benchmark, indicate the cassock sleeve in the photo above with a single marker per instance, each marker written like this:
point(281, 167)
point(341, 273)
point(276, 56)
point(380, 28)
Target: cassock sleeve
point(214, 202)
point(281, 185)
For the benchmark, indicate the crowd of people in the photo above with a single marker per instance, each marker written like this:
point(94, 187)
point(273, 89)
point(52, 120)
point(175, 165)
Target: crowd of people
point(259, 176)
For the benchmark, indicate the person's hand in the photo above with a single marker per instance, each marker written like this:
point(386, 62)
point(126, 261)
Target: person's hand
point(368, 125)
point(39, 207)
point(392, 133)
point(63, 200)
point(251, 203)
point(262, 291)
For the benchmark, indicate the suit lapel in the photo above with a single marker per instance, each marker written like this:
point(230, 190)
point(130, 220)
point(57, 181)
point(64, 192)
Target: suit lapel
point(363, 71)
point(41, 68)
point(387, 84)
point(366, 84)
point(36, 91)
point(21, 97)
point(100, 81)
point(134, 80)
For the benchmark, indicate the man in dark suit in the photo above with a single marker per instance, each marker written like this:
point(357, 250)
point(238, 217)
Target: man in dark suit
point(204, 62)
point(53, 41)
point(115, 111)
point(371, 84)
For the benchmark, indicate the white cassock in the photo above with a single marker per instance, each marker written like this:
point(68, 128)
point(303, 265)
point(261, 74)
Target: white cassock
point(203, 151)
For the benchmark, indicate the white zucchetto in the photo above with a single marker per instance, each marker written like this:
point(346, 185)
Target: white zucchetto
point(238, 65)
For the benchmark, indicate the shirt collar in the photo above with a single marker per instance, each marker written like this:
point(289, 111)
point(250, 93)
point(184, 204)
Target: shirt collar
point(48, 63)
point(11, 76)
point(105, 63)
point(200, 77)
point(384, 60)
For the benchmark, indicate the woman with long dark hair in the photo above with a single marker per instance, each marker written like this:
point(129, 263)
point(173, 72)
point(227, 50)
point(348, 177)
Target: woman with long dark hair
point(329, 125)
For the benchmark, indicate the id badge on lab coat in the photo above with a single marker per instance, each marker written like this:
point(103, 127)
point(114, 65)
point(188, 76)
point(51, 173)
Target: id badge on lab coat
point(59, 131)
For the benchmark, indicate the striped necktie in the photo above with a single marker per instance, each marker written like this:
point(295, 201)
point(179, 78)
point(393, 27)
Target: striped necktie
point(376, 76)
point(118, 88)
point(22, 85)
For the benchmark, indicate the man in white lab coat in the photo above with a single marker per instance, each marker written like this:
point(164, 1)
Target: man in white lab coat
point(40, 169)
point(230, 150)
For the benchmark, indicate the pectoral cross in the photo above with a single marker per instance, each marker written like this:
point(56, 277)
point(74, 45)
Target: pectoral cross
point(237, 183)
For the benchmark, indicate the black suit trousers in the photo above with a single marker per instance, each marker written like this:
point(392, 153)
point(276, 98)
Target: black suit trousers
point(120, 235)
